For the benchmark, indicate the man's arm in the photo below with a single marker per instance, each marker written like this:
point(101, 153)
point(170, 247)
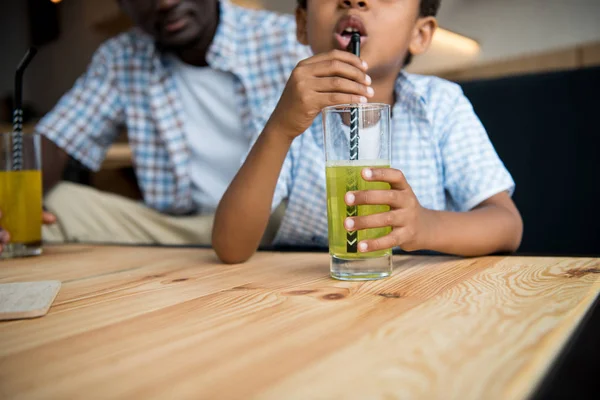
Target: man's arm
point(85, 121)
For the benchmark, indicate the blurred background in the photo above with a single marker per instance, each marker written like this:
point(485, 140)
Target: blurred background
point(479, 39)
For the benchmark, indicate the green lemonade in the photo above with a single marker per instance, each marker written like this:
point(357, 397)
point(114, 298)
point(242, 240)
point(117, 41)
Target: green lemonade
point(339, 174)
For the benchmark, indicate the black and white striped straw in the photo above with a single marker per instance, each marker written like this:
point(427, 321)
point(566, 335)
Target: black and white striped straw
point(352, 182)
point(17, 135)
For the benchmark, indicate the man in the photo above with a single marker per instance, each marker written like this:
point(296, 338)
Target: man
point(185, 84)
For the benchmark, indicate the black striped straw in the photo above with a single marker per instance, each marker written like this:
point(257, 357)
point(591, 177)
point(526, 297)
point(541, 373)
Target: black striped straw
point(352, 182)
point(17, 136)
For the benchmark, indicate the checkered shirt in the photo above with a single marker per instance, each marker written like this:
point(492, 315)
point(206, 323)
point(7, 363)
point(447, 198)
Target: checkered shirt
point(130, 83)
point(437, 142)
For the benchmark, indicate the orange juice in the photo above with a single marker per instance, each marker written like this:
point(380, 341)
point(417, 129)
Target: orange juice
point(21, 205)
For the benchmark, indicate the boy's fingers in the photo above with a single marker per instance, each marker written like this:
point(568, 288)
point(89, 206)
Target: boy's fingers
point(332, 68)
point(332, 99)
point(396, 238)
point(344, 56)
point(392, 198)
point(342, 85)
point(380, 220)
point(394, 177)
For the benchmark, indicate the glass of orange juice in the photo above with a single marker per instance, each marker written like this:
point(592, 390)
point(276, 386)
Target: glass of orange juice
point(21, 193)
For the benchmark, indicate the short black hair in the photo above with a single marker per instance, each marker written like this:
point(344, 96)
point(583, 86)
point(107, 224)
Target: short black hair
point(428, 8)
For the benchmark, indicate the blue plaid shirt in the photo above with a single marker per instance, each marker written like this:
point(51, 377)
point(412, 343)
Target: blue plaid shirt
point(437, 142)
point(130, 83)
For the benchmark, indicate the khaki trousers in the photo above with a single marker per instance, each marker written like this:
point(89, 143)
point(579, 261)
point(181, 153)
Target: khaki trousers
point(87, 215)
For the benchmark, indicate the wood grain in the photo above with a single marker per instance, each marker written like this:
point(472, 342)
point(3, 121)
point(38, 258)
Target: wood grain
point(156, 323)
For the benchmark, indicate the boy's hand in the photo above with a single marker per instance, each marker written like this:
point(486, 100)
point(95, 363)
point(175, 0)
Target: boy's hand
point(409, 221)
point(47, 219)
point(336, 77)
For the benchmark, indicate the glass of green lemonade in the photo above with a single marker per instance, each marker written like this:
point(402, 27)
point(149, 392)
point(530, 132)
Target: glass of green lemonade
point(357, 136)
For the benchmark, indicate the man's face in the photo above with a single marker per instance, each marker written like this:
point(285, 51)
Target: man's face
point(174, 24)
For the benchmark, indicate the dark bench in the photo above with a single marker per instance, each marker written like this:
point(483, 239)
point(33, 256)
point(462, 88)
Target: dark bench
point(546, 129)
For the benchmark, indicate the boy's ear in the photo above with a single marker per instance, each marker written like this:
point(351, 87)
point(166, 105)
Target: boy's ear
point(301, 25)
point(422, 35)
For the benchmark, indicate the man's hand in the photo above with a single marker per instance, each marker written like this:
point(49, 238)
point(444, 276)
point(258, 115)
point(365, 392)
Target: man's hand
point(47, 219)
point(409, 221)
point(336, 77)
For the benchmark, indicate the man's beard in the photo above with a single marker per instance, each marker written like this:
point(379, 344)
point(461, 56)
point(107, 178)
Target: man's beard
point(179, 47)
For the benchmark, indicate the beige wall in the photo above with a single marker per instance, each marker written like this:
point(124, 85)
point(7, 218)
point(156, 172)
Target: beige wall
point(511, 28)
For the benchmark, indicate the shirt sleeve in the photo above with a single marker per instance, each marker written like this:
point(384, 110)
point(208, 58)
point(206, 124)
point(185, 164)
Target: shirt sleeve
point(85, 121)
point(282, 188)
point(473, 171)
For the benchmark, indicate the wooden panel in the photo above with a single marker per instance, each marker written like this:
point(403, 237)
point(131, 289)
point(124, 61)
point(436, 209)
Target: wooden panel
point(555, 61)
point(590, 55)
point(118, 156)
point(257, 4)
point(175, 323)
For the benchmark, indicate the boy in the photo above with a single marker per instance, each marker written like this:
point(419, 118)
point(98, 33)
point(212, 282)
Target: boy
point(450, 192)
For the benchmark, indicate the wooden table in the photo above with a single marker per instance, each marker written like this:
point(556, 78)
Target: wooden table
point(174, 323)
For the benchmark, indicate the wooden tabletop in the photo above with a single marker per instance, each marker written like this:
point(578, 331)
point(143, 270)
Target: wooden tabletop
point(174, 323)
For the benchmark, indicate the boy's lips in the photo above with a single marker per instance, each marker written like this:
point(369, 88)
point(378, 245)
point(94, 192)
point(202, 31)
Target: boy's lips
point(344, 41)
point(344, 29)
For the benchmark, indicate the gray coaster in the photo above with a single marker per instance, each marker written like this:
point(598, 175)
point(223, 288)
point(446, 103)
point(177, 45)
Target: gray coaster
point(27, 299)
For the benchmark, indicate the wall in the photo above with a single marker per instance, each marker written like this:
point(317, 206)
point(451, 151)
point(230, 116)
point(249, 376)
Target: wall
point(58, 64)
point(510, 28)
point(15, 39)
point(284, 6)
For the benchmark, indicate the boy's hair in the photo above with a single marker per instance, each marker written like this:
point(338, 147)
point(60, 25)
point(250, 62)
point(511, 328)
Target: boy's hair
point(428, 8)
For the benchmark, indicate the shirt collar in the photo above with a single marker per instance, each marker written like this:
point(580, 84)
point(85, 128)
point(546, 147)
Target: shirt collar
point(222, 52)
